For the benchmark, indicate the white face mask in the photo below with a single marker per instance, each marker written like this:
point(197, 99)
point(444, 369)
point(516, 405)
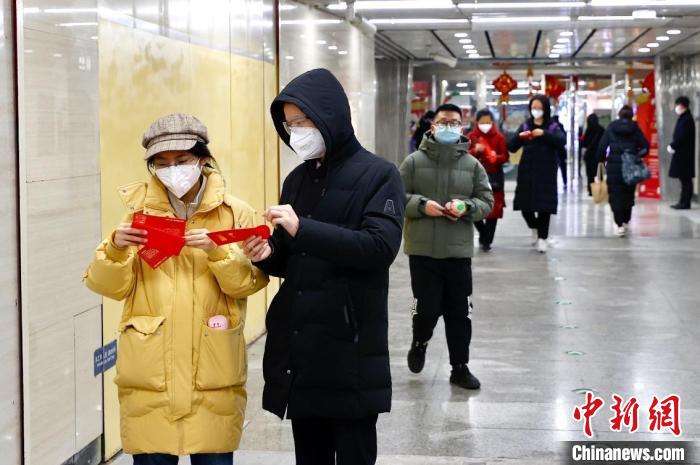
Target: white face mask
point(679, 110)
point(485, 128)
point(179, 179)
point(308, 143)
point(537, 113)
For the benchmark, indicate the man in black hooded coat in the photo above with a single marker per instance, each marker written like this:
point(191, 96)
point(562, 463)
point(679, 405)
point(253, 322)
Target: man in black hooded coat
point(339, 226)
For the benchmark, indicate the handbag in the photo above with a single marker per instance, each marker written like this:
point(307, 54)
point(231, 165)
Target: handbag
point(599, 187)
point(634, 170)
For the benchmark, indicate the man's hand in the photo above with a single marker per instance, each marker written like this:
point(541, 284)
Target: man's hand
point(126, 236)
point(198, 239)
point(257, 249)
point(451, 213)
point(283, 215)
point(432, 208)
point(537, 133)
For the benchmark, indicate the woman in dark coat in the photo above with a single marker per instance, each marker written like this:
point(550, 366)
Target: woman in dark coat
point(536, 191)
point(422, 127)
point(682, 148)
point(622, 134)
point(591, 139)
point(488, 145)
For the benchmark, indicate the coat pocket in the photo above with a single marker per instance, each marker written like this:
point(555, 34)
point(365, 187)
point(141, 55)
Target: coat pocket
point(222, 358)
point(141, 359)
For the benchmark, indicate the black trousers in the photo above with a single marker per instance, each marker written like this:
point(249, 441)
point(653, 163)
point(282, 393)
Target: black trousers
point(325, 441)
point(487, 230)
point(442, 287)
point(196, 459)
point(686, 191)
point(622, 216)
point(538, 221)
point(563, 167)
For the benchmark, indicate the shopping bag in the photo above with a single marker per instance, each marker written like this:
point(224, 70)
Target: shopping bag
point(599, 187)
point(634, 170)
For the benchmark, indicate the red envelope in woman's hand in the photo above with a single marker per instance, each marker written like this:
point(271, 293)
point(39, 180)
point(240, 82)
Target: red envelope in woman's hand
point(238, 235)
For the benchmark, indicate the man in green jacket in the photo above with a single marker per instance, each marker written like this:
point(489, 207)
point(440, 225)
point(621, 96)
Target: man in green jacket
point(446, 191)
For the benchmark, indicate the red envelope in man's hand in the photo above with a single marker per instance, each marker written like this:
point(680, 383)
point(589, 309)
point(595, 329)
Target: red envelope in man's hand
point(238, 235)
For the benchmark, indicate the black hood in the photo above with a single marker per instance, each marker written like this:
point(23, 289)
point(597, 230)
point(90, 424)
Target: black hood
point(322, 98)
point(623, 127)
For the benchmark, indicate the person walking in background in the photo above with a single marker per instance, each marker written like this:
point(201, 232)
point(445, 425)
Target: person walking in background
point(338, 230)
point(682, 149)
point(488, 145)
point(173, 403)
point(591, 139)
point(422, 127)
point(563, 167)
point(536, 190)
point(446, 191)
point(622, 135)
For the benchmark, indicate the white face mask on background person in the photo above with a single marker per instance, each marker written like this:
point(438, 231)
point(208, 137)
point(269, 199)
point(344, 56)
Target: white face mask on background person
point(485, 128)
point(179, 179)
point(307, 142)
point(679, 110)
point(537, 113)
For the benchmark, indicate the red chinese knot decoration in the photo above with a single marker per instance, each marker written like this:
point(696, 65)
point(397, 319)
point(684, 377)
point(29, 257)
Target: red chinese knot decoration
point(505, 84)
point(553, 88)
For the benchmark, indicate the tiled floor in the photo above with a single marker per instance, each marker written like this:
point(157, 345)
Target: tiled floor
point(630, 309)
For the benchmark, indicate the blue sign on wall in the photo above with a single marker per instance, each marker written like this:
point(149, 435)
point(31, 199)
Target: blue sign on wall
point(105, 357)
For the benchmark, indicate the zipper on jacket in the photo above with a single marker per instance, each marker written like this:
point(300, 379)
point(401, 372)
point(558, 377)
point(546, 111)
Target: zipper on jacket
point(350, 315)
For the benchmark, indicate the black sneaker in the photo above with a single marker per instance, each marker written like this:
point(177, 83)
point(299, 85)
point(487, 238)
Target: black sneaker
point(486, 247)
point(680, 206)
point(463, 378)
point(416, 356)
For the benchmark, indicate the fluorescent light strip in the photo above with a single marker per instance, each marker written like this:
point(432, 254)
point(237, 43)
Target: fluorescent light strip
point(70, 10)
point(524, 19)
point(517, 5)
point(76, 24)
point(310, 21)
point(418, 21)
point(637, 3)
point(606, 18)
point(395, 5)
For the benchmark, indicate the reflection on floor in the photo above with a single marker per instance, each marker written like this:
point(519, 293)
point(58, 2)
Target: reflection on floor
point(597, 312)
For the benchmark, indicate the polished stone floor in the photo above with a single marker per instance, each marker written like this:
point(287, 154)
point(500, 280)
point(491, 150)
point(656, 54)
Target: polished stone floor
point(608, 314)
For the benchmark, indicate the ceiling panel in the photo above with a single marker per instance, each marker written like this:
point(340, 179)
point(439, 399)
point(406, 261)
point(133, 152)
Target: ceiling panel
point(689, 46)
point(606, 42)
point(570, 40)
point(513, 44)
point(477, 39)
point(421, 44)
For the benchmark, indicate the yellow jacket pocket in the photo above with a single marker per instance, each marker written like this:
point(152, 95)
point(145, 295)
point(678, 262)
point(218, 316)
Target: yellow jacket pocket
point(141, 357)
point(222, 358)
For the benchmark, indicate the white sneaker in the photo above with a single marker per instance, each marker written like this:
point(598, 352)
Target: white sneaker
point(542, 246)
point(621, 231)
point(535, 236)
point(627, 228)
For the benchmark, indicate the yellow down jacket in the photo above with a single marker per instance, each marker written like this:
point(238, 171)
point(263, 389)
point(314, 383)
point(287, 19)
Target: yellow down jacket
point(181, 384)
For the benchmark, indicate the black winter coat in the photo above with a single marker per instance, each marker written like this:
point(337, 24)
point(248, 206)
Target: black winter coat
point(621, 134)
point(590, 142)
point(327, 351)
point(683, 161)
point(536, 190)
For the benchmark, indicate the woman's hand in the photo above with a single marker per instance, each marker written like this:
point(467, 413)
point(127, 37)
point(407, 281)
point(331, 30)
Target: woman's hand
point(126, 236)
point(479, 148)
point(198, 239)
point(285, 216)
point(537, 133)
point(257, 249)
point(527, 135)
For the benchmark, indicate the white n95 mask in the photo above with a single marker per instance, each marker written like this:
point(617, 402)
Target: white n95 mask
point(308, 143)
point(179, 179)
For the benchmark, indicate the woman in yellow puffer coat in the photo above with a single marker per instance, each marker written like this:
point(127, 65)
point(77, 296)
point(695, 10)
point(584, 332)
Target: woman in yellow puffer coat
point(181, 383)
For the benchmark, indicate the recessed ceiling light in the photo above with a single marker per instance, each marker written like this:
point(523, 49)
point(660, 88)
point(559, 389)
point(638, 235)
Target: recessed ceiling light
point(474, 55)
point(606, 18)
point(332, 47)
point(462, 84)
point(563, 40)
point(644, 14)
point(673, 32)
point(663, 38)
point(644, 50)
point(289, 57)
point(566, 33)
point(321, 42)
point(515, 5)
point(465, 41)
point(521, 19)
point(461, 34)
point(653, 44)
point(468, 47)
point(343, 52)
point(554, 55)
point(418, 21)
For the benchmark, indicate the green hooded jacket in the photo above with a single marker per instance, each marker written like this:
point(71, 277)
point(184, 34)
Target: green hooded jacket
point(443, 172)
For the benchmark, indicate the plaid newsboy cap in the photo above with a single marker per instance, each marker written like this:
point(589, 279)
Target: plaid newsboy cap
point(178, 131)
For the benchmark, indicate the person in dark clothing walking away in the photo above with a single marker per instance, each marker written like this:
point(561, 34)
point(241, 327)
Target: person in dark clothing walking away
point(591, 139)
point(488, 145)
point(536, 191)
point(622, 135)
point(422, 127)
point(446, 191)
point(337, 231)
point(682, 149)
point(562, 155)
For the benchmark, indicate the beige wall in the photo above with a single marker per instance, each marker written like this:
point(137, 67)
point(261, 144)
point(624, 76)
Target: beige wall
point(305, 37)
point(10, 420)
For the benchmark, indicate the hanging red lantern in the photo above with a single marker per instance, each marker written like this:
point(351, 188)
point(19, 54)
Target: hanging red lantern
point(553, 87)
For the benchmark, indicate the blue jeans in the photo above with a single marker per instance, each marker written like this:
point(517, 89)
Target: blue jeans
point(196, 459)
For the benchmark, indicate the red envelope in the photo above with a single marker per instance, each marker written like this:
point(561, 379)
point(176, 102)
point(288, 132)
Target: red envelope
point(174, 226)
point(153, 257)
point(238, 235)
point(165, 237)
